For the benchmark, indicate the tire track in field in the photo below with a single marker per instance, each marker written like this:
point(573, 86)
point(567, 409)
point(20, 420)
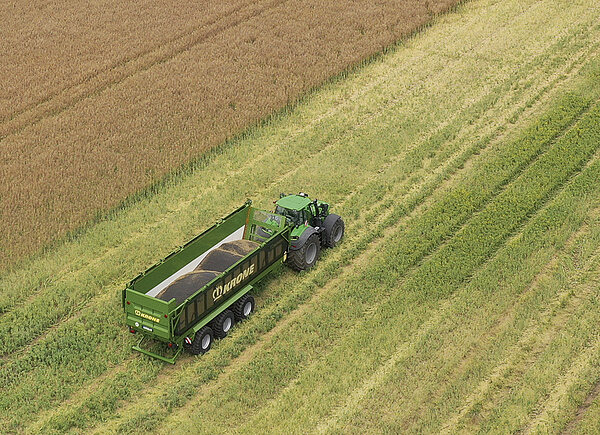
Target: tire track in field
point(552, 406)
point(581, 412)
point(531, 344)
point(362, 323)
point(460, 365)
point(97, 83)
point(519, 370)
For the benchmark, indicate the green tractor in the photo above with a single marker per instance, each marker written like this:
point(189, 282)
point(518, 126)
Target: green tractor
point(313, 228)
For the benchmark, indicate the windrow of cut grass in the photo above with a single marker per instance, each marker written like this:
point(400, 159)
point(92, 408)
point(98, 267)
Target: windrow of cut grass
point(114, 251)
point(292, 399)
point(131, 117)
point(589, 421)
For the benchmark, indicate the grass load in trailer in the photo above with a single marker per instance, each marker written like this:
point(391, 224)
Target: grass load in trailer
point(197, 293)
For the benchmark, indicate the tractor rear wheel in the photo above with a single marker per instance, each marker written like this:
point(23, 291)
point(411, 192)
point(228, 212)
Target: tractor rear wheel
point(305, 257)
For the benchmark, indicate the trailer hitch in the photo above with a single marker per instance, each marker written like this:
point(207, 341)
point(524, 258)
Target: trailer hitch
point(155, 355)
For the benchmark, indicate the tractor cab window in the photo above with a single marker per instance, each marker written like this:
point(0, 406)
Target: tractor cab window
point(293, 215)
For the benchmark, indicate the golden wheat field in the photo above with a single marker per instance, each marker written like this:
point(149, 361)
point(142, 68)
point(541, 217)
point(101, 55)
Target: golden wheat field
point(98, 102)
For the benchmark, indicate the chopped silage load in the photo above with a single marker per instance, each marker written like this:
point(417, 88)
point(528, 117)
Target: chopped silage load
point(216, 262)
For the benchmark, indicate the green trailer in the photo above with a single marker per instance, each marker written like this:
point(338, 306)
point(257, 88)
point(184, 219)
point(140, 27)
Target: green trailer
point(197, 293)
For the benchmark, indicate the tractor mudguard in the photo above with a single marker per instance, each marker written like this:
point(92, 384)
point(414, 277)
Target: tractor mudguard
point(299, 243)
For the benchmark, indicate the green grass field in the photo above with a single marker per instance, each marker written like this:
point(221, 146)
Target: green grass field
point(466, 163)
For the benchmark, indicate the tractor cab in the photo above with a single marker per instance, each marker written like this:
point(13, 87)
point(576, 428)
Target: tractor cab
point(313, 227)
point(302, 211)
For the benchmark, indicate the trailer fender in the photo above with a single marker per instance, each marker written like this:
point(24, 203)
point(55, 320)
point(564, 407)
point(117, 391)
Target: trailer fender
point(297, 244)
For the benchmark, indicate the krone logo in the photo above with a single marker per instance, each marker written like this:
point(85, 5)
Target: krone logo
point(147, 316)
point(222, 290)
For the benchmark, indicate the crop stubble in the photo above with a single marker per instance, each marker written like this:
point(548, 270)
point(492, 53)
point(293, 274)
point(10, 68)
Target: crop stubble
point(95, 106)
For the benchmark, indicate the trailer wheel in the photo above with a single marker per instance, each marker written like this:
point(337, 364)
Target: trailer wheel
point(334, 230)
point(202, 341)
point(243, 307)
point(223, 324)
point(306, 257)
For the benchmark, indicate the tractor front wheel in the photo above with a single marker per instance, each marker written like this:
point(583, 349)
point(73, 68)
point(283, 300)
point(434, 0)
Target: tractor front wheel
point(334, 230)
point(308, 254)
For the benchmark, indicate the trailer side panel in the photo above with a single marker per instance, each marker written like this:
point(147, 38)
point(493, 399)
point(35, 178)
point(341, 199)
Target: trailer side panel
point(244, 273)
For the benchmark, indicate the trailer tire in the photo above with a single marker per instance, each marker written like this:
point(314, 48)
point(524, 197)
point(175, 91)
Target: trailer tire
point(244, 307)
point(334, 230)
point(307, 255)
point(202, 341)
point(223, 324)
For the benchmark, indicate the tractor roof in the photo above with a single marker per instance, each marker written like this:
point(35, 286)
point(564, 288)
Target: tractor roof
point(294, 202)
